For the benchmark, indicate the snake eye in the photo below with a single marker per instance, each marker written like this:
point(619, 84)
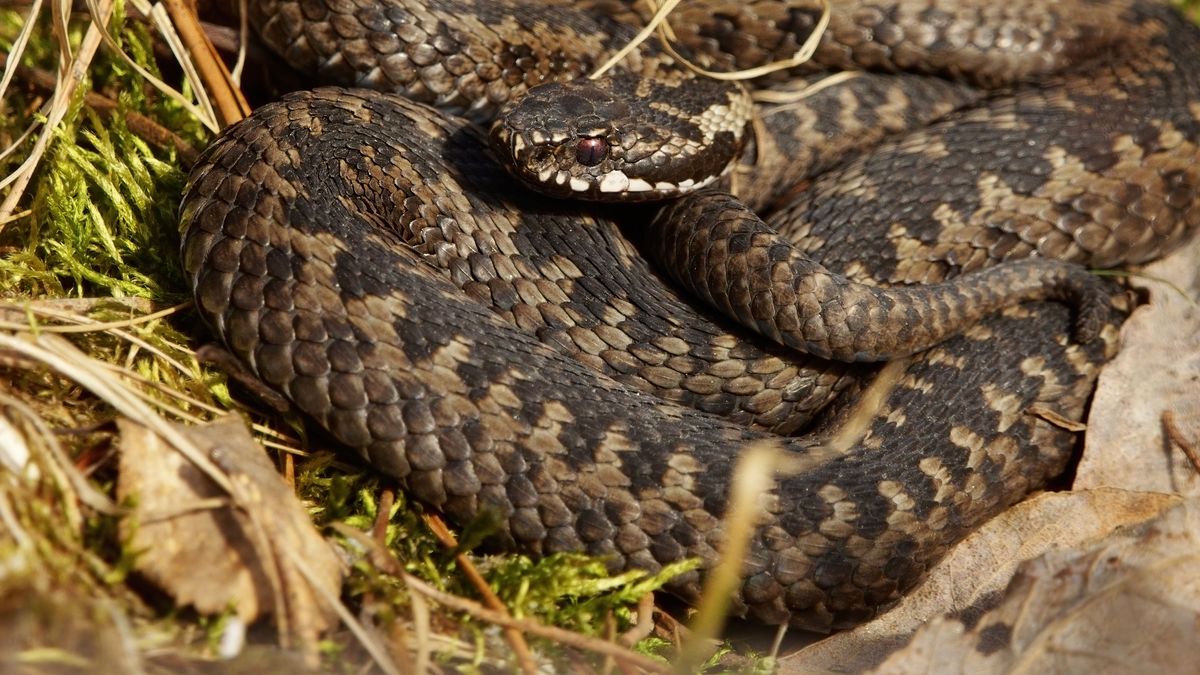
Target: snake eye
point(591, 151)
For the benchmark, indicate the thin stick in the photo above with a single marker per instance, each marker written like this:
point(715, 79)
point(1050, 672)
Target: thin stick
point(1176, 435)
point(514, 637)
point(532, 627)
point(231, 104)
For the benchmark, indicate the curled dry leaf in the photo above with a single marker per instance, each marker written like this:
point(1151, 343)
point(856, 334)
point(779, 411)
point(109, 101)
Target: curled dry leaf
point(1157, 371)
point(1128, 604)
point(194, 545)
point(977, 570)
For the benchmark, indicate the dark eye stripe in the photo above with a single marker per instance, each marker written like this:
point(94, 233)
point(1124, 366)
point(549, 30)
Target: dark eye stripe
point(591, 151)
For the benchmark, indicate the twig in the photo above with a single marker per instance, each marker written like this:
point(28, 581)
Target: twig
point(514, 637)
point(532, 627)
point(231, 104)
point(1175, 434)
point(1054, 417)
point(645, 621)
point(383, 514)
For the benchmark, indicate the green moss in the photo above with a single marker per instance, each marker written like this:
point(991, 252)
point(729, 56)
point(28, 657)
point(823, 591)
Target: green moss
point(1189, 7)
point(575, 591)
point(102, 204)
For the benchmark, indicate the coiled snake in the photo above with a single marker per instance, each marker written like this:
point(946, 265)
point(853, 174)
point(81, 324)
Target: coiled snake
point(497, 350)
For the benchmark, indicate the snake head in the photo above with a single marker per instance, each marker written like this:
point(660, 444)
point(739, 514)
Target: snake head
point(620, 139)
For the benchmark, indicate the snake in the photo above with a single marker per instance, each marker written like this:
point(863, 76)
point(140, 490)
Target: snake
point(383, 251)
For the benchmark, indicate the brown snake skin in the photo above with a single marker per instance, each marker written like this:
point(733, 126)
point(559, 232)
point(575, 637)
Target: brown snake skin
point(499, 351)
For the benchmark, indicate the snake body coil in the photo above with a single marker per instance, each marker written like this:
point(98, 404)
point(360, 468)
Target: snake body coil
point(496, 350)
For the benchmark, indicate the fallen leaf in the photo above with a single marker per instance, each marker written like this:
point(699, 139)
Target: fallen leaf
point(1158, 370)
point(1129, 603)
point(969, 579)
point(263, 557)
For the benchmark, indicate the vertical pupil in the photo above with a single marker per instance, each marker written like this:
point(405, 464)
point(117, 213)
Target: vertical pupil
point(591, 151)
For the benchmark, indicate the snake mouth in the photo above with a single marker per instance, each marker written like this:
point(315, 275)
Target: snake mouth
point(613, 185)
point(552, 166)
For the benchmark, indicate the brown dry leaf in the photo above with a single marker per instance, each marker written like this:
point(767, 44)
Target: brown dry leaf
point(980, 567)
point(1158, 370)
point(195, 546)
point(1128, 604)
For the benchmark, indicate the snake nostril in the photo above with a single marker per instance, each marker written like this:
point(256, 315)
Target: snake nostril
point(591, 151)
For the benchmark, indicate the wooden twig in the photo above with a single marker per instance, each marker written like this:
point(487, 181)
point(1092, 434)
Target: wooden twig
point(383, 514)
point(532, 627)
point(645, 622)
point(1175, 434)
point(231, 105)
point(514, 636)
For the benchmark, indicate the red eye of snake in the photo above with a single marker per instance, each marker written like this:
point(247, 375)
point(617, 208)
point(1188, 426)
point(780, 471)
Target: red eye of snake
point(591, 151)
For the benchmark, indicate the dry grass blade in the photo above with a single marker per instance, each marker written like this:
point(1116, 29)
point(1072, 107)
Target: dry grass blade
point(84, 324)
point(12, 149)
point(65, 359)
point(62, 357)
point(166, 30)
point(753, 477)
point(801, 56)
point(71, 73)
point(18, 50)
point(422, 633)
point(796, 98)
point(59, 464)
point(89, 322)
point(367, 640)
point(146, 128)
point(858, 422)
point(204, 116)
point(658, 23)
point(243, 40)
point(650, 27)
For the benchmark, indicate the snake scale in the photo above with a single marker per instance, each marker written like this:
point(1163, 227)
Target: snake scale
point(500, 351)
